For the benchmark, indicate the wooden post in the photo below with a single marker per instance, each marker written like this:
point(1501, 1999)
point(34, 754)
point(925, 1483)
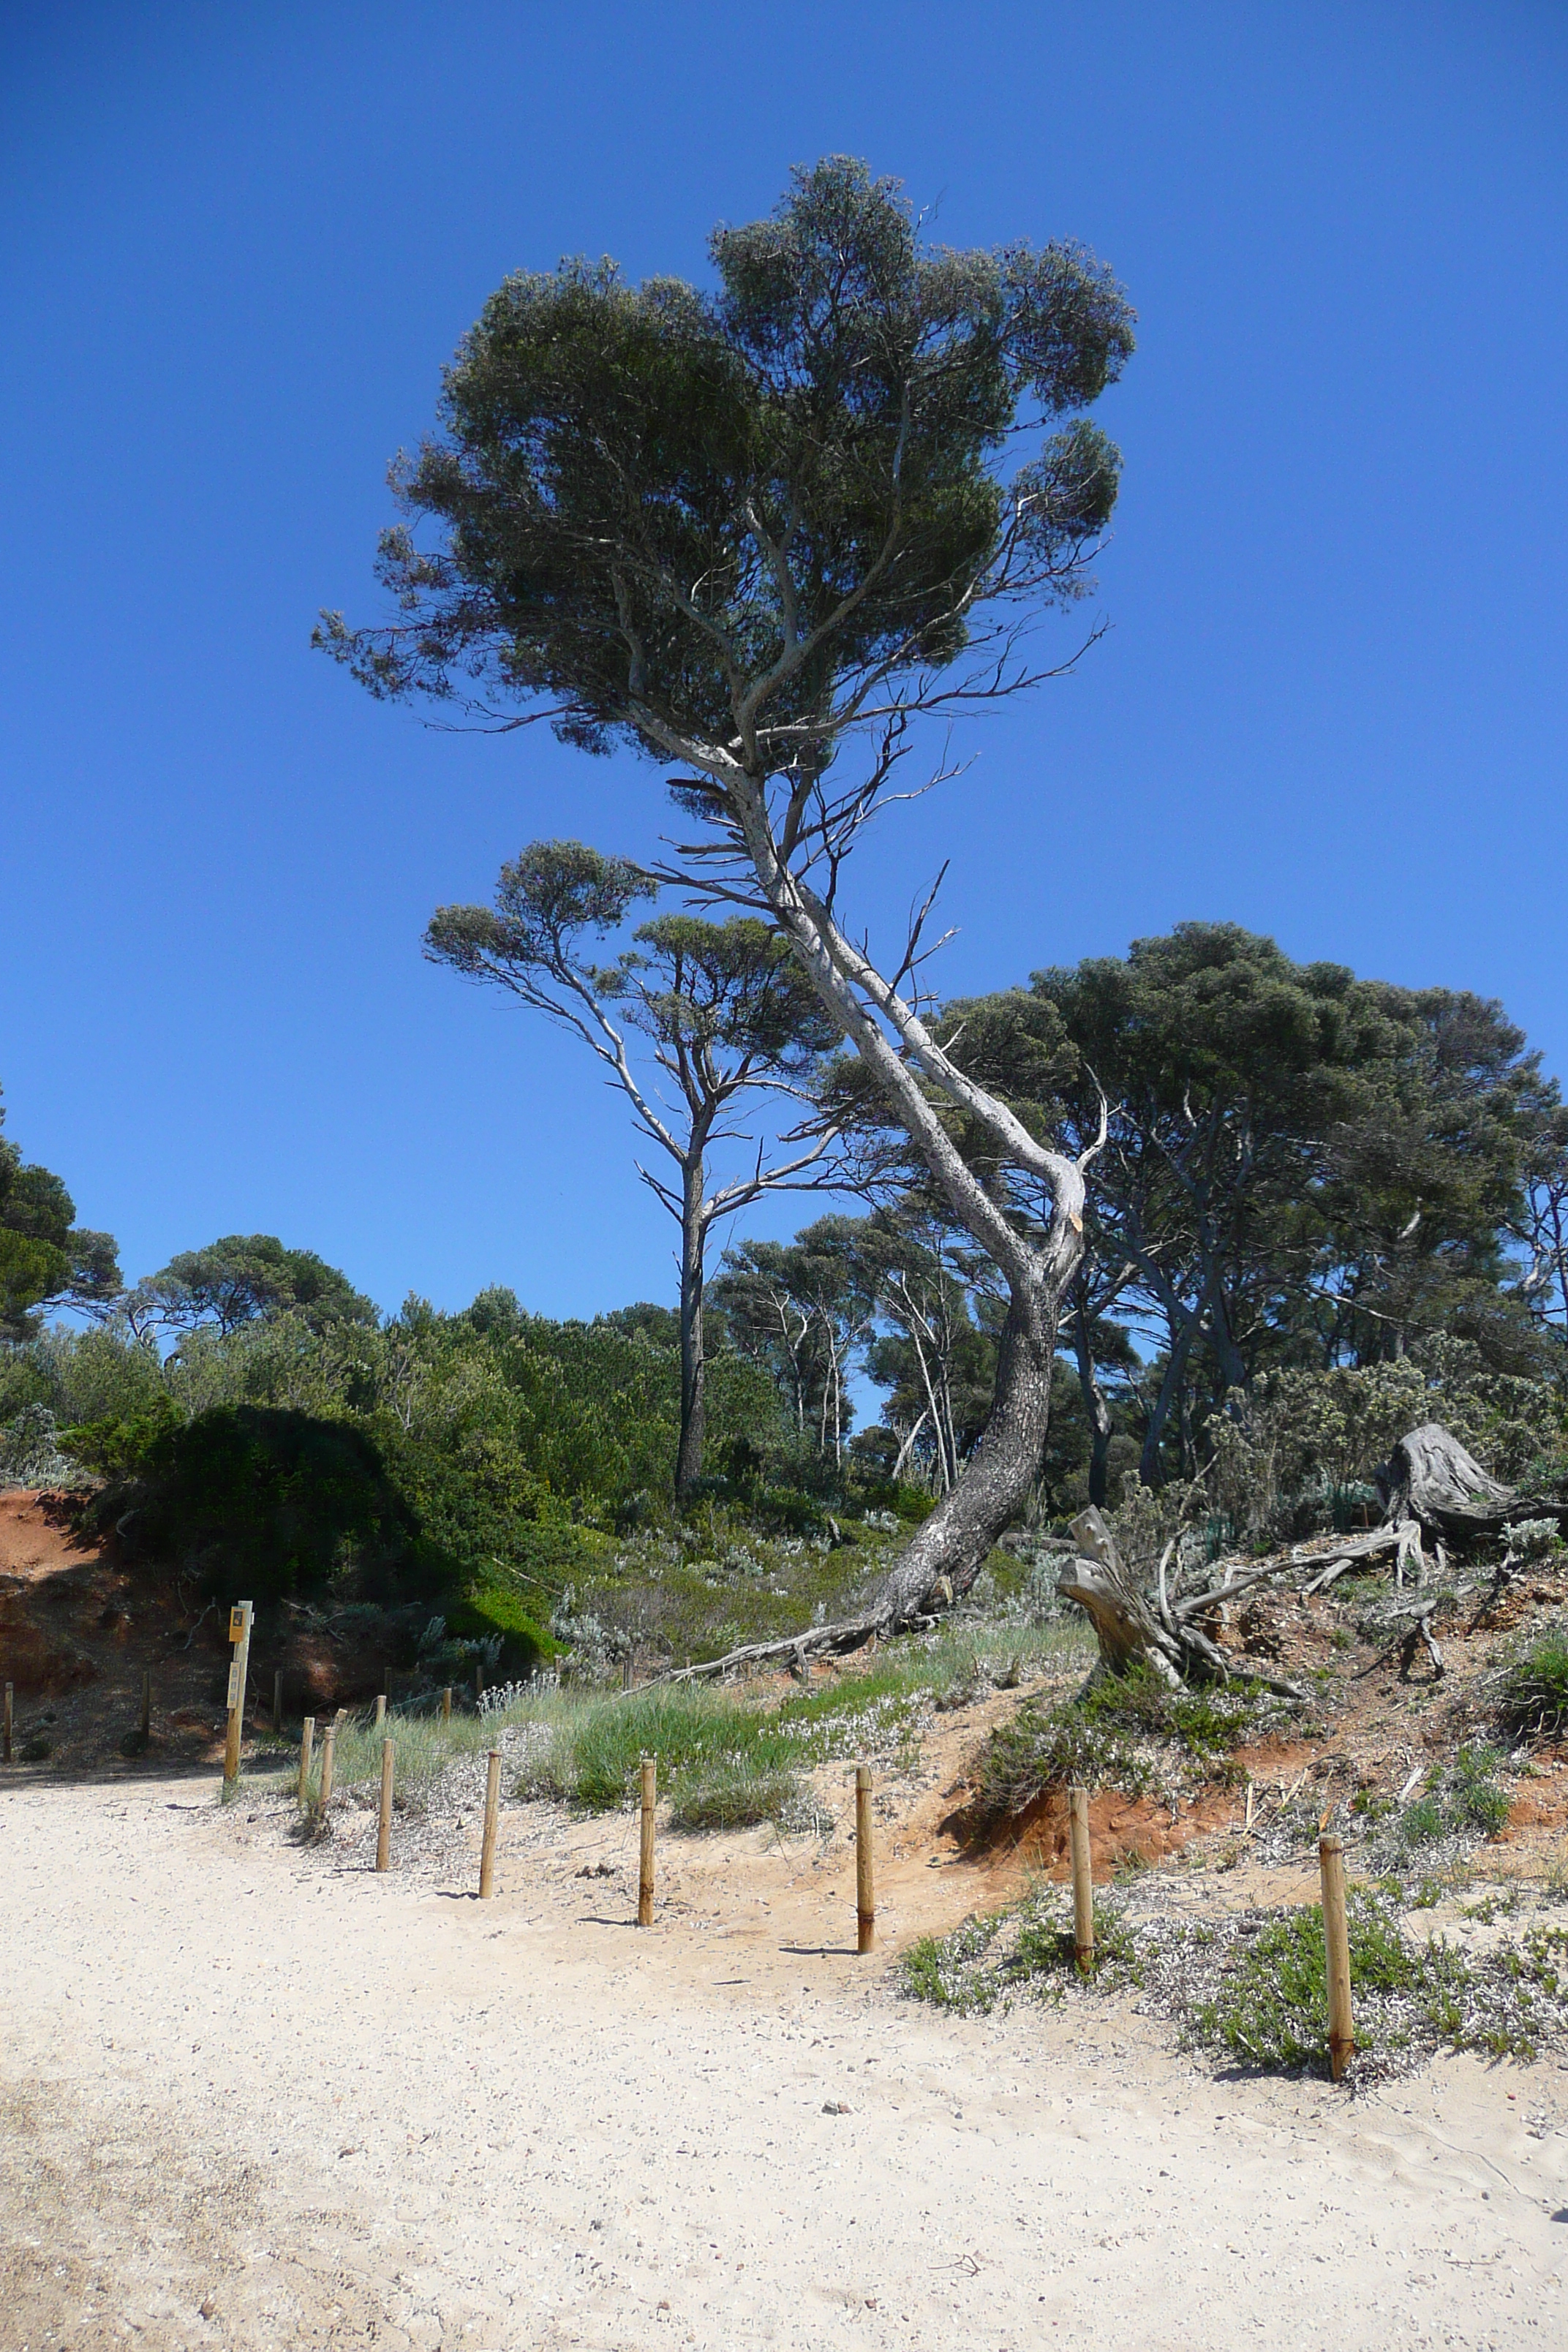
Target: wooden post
point(478, 1680)
point(239, 1618)
point(277, 1698)
point(446, 1704)
point(865, 1881)
point(493, 1808)
point(329, 1741)
point(1337, 1946)
point(307, 1741)
point(645, 1862)
point(381, 1706)
point(146, 1702)
point(10, 1719)
point(1082, 1881)
point(383, 1826)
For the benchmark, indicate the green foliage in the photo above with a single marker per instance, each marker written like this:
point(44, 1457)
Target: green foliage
point(118, 1447)
point(1463, 1800)
point(1533, 1695)
point(1254, 1986)
point(940, 1969)
point(1103, 1738)
point(246, 1277)
point(271, 1502)
point(1273, 2011)
point(733, 1799)
point(44, 1254)
point(841, 390)
point(491, 1609)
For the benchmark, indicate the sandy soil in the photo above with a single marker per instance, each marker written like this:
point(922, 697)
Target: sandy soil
point(255, 2096)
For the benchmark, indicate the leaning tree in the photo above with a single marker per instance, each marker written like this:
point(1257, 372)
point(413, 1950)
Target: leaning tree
point(758, 530)
point(727, 1013)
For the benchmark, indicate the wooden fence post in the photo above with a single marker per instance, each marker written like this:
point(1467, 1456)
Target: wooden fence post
point(865, 1880)
point(1337, 1948)
point(239, 1619)
point(329, 1742)
point(10, 1717)
point(307, 1741)
point(446, 1704)
point(277, 1698)
point(383, 1826)
point(1082, 1881)
point(381, 1706)
point(644, 1858)
point(478, 1681)
point(146, 1702)
point(493, 1808)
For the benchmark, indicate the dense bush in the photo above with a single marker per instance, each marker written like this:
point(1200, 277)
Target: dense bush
point(248, 1497)
point(1301, 1450)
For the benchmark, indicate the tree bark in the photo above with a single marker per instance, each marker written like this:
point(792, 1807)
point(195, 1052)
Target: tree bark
point(1170, 1388)
point(693, 1407)
point(1100, 1425)
point(950, 1548)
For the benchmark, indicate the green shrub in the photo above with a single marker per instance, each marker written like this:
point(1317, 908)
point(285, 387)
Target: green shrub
point(249, 1498)
point(491, 1610)
point(1462, 1799)
point(1273, 2009)
point(1532, 1701)
point(1090, 1738)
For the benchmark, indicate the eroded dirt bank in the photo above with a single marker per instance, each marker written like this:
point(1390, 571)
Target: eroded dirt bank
point(254, 2102)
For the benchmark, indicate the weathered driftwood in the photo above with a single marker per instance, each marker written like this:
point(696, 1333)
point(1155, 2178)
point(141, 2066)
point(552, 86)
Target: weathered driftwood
point(1168, 1640)
point(1364, 1548)
point(1430, 1476)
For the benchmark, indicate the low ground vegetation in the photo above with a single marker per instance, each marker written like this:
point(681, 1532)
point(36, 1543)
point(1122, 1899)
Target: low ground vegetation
point(1252, 1986)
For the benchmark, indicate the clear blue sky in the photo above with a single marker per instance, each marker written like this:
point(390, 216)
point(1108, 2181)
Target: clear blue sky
point(237, 243)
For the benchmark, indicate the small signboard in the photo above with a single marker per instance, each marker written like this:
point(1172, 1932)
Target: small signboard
point(237, 1621)
point(235, 1685)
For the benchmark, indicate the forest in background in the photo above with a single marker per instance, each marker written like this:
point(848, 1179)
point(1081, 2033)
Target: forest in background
point(1325, 1210)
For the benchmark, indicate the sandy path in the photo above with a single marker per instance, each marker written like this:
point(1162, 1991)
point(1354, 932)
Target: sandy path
point(317, 2107)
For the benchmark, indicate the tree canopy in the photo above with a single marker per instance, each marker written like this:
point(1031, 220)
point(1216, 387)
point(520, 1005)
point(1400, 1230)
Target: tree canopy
point(46, 1258)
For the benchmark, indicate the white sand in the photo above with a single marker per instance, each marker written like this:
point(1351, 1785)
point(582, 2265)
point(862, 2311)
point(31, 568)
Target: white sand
point(323, 2107)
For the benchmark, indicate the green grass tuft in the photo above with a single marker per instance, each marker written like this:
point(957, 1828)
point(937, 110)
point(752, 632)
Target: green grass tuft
point(1533, 1695)
point(1101, 1738)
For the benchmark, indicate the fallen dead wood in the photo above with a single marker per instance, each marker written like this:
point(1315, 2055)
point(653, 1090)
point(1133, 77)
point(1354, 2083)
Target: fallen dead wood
point(1381, 1539)
point(793, 1650)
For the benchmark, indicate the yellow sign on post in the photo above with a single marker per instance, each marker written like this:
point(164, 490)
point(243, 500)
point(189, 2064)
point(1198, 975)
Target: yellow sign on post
point(239, 1618)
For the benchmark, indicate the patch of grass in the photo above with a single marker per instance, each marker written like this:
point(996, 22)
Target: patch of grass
point(1027, 1947)
point(1273, 2009)
point(735, 1800)
point(1462, 1799)
point(1102, 1738)
point(940, 1968)
point(1532, 1696)
point(424, 1745)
